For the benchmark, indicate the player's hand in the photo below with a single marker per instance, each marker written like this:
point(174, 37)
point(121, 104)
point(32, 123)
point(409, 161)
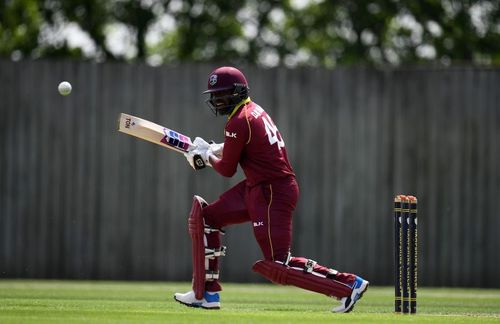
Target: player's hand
point(205, 154)
point(201, 143)
point(217, 149)
point(199, 158)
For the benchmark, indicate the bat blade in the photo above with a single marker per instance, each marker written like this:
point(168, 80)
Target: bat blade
point(154, 133)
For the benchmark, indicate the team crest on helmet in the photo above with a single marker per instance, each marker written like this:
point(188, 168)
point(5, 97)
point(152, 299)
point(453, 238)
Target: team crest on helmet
point(213, 79)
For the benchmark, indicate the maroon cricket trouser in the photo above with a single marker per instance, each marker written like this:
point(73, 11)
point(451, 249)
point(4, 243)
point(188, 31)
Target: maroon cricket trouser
point(269, 207)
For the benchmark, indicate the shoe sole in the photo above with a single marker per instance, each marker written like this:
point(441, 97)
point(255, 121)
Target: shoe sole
point(196, 305)
point(360, 296)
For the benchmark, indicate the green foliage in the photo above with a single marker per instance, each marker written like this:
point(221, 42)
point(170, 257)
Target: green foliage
point(264, 32)
point(205, 30)
point(20, 22)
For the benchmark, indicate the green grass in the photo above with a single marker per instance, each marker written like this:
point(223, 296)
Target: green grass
point(43, 301)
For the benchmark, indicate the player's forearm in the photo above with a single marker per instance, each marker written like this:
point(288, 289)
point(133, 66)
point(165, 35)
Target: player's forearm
point(222, 167)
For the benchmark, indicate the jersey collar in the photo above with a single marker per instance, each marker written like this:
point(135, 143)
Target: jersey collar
point(243, 102)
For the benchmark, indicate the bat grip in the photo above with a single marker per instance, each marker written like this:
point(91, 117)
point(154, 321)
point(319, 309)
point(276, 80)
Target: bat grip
point(198, 162)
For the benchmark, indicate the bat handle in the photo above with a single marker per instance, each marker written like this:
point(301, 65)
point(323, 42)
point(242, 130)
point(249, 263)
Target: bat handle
point(198, 162)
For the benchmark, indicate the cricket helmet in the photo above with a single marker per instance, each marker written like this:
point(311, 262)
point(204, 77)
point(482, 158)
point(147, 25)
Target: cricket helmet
point(227, 87)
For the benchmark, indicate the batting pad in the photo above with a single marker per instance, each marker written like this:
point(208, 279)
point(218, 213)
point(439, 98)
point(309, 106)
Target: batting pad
point(284, 275)
point(197, 233)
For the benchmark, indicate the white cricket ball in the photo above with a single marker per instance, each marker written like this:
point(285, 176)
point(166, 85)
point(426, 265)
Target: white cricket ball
point(64, 88)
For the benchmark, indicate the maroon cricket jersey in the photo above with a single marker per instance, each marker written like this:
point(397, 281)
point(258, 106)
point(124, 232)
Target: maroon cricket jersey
point(253, 140)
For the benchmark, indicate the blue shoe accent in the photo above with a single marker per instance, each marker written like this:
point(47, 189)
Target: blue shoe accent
point(212, 298)
point(209, 300)
point(347, 303)
point(358, 282)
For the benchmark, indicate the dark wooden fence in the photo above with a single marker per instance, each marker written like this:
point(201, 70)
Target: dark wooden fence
point(80, 200)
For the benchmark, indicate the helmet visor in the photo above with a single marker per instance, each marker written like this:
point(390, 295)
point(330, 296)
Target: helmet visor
point(221, 102)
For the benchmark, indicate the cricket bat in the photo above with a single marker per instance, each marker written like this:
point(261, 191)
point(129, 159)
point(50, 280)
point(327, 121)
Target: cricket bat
point(157, 134)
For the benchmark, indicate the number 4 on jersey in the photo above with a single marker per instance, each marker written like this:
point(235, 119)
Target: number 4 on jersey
point(272, 132)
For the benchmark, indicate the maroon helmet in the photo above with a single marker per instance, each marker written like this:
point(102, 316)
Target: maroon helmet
point(227, 87)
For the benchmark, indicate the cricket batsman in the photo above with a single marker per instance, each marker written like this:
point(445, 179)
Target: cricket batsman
point(266, 198)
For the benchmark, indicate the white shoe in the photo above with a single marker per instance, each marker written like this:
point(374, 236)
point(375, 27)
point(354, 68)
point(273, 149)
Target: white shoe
point(210, 300)
point(347, 303)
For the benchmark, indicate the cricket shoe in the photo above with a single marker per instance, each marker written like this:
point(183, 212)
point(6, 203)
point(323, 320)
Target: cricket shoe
point(210, 300)
point(347, 303)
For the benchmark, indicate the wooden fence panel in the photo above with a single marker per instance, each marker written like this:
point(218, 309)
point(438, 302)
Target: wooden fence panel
point(79, 200)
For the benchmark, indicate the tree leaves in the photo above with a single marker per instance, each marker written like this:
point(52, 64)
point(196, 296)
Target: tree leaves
point(266, 32)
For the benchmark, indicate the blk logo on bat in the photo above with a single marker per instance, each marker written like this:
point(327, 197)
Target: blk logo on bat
point(175, 139)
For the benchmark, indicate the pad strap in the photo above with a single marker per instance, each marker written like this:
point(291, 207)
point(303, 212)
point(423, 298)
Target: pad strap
point(209, 230)
point(213, 253)
point(309, 266)
point(288, 258)
point(211, 275)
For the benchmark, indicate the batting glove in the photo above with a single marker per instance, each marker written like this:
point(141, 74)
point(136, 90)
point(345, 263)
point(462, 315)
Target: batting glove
point(201, 143)
point(198, 158)
point(217, 149)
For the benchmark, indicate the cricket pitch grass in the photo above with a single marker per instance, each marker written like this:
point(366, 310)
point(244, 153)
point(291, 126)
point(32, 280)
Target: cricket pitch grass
point(46, 301)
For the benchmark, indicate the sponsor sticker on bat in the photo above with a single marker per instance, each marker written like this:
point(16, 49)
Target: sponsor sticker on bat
point(175, 139)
